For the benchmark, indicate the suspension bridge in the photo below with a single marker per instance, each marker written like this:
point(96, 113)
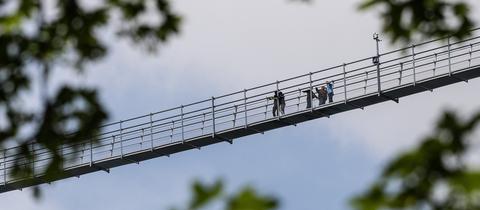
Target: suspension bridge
point(384, 77)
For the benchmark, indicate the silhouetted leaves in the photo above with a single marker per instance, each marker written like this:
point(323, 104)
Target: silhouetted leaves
point(146, 33)
point(248, 199)
point(432, 176)
point(245, 199)
point(31, 39)
point(402, 20)
point(202, 194)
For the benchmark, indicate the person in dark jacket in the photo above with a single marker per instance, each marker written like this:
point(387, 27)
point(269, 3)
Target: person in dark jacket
point(276, 103)
point(310, 96)
point(322, 95)
point(281, 102)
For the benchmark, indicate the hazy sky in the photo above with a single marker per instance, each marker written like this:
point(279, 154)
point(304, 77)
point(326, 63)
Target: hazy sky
point(226, 46)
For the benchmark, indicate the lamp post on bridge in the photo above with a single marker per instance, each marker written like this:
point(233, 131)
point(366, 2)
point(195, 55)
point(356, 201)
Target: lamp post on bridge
point(376, 61)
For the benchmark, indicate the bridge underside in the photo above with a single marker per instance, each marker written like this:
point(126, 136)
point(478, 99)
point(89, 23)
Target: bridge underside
point(229, 135)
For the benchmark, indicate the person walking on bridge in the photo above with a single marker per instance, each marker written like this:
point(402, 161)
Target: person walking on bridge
point(281, 102)
point(310, 96)
point(322, 95)
point(276, 103)
point(330, 91)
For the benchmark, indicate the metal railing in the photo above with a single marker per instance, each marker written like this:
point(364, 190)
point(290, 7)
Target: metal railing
point(241, 109)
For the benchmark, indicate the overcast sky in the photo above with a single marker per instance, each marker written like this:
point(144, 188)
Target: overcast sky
point(226, 46)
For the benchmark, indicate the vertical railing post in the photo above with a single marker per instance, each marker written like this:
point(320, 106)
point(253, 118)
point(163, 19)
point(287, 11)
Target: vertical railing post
point(401, 72)
point(113, 145)
point(171, 131)
point(266, 108)
point(151, 132)
point(311, 90)
point(299, 99)
point(91, 152)
point(366, 83)
point(181, 124)
point(62, 152)
point(203, 123)
point(4, 167)
point(213, 117)
point(235, 115)
point(141, 138)
point(413, 66)
point(83, 152)
point(345, 82)
point(121, 139)
point(449, 58)
point(470, 58)
point(245, 106)
point(379, 83)
point(435, 64)
point(278, 100)
point(33, 158)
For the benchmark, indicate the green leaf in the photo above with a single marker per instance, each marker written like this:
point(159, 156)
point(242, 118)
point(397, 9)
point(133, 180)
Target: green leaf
point(467, 181)
point(248, 199)
point(203, 194)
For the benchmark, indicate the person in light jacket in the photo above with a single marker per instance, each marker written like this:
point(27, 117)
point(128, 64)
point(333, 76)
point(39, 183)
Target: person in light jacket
point(330, 91)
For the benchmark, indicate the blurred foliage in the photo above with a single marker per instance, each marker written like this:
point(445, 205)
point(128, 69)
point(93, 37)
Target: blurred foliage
point(66, 34)
point(403, 19)
point(32, 39)
point(247, 198)
point(433, 176)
